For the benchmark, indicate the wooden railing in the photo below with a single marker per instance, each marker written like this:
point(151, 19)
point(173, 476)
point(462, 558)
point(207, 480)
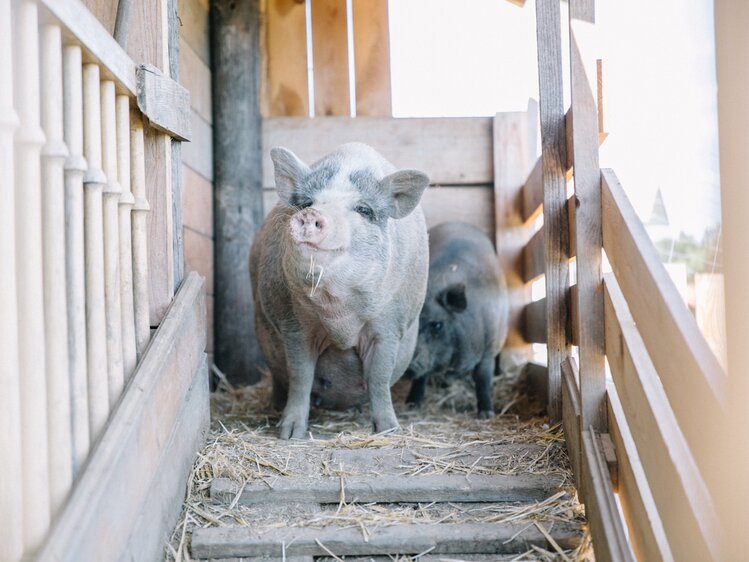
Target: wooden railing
point(75, 316)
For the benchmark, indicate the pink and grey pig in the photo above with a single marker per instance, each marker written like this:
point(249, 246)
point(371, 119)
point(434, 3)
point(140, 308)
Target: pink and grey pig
point(463, 324)
point(339, 273)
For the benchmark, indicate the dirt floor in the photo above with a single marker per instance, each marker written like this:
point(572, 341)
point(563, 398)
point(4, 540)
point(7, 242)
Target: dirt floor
point(443, 437)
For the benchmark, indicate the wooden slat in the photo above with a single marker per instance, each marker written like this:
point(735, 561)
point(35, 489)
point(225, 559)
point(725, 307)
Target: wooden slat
point(197, 202)
point(198, 154)
point(444, 538)
point(330, 58)
point(646, 532)
point(533, 192)
point(467, 203)
point(680, 493)
point(363, 489)
point(195, 29)
point(372, 57)
point(514, 148)
point(534, 321)
point(195, 75)
point(571, 419)
point(165, 101)
point(452, 151)
point(587, 177)
point(606, 526)
point(534, 264)
point(141, 463)
point(285, 50)
point(688, 369)
point(555, 193)
point(141, 210)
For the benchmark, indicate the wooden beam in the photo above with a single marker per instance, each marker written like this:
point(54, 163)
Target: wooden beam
point(444, 538)
point(571, 420)
point(372, 57)
point(330, 58)
point(285, 89)
point(141, 463)
point(165, 102)
point(452, 151)
point(238, 195)
point(683, 500)
point(555, 193)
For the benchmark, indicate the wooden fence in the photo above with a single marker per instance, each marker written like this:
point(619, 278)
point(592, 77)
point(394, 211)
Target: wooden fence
point(86, 201)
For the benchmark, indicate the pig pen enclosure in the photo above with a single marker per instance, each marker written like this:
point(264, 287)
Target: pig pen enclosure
point(114, 449)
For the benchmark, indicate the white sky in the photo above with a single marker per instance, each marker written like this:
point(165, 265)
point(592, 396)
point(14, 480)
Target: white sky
point(478, 57)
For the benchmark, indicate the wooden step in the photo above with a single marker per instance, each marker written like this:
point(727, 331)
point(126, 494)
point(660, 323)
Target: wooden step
point(441, 538)
point(426, 558)
point(390, 489)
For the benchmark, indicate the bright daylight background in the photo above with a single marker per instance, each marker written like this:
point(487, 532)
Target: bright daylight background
point(478, 57)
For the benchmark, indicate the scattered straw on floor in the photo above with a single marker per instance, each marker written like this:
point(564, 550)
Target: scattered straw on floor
point(443, 437)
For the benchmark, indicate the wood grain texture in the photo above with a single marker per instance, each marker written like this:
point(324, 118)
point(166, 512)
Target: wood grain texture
point(197, 202)
point(194, 28)
point(198, 154)
point(330, 56)
point(683, 500)
point(534, 321)
point(372, 57)
point(195, 76)
point(534, 252)
point(285, 87)
point(513, 151)
point(439, 538)
point(571, 420)
point(165, 102)
point(689, 371)
point(587, 202)
point(451, 151)
point(123, 475)
point(553, 173)
point(199, 256)
point(646, 532)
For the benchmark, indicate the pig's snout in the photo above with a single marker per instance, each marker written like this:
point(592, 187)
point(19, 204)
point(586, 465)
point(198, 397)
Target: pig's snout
point(309, 226)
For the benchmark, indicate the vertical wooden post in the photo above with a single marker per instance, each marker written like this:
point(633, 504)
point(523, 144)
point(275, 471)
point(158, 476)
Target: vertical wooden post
point(111, 199)
point(729, 446)
point(141, 209)
point(96, 322)
point(55, 306)
point(129, 357)
point(29, 285)
point(285, 46)
point(372, 58)
point(588, 233)
point(330, 57)
point(11, 483)
point(178, 243)
point(556, 229)
point(237, 181)
point(75, 275)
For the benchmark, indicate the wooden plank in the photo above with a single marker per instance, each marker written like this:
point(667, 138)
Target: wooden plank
point(690, 373)
point(440, 538)
point(473, 204)
point(645, 528)
point(372, 57)
point(126, 468)
point(513, 149)
point(165, 102)
point(710, 312)
point(680, 493)
point(452, 151)
point(198, 154)
point(533, 192)
point(534, 264)
point(587, 202)
point(195, 28)
point(534, 321)
point(285, 88)
point(555, 194)
point(571, 420)
point(105, 11)
point(606, 526)
point(199, 256)
point(197, 202)
point(363, 489)
point(330, 57)
point(195, 75)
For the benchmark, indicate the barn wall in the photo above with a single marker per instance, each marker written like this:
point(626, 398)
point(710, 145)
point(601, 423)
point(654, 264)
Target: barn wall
point(197, 156)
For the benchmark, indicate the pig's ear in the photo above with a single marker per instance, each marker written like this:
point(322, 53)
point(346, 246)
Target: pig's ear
point(290, 171)
point(406, 188)
point(453, 298)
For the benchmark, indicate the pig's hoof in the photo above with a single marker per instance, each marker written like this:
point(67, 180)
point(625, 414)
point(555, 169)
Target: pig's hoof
point(413, 405)
point(386, 424)
point(486, 414)
point(290, 428)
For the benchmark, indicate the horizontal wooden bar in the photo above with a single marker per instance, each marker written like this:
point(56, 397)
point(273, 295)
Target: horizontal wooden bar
point(449, 150)
point(533, 252)
point(686, 509)
point(534, 319)
point(440, 538)
point(363, 489)
point(689, 371)
point(165, 102)
point(646, 532)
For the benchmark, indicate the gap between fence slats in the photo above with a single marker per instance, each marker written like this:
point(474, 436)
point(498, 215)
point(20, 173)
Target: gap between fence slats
point(679, 491)
point(688, 369)
point(646, 532)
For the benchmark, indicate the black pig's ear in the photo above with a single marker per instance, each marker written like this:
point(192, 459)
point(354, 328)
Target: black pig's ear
point(290, 171)
point(406, 188)
point(453, 298)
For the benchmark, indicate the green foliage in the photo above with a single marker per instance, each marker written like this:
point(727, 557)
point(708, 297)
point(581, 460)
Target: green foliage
point(703, 256)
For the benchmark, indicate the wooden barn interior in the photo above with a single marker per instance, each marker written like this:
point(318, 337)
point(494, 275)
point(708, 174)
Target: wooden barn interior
point(135, 170)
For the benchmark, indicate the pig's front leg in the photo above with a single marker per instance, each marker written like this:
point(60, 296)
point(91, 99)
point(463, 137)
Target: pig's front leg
point(482, 376)
point(300, 363)
point(378, 359)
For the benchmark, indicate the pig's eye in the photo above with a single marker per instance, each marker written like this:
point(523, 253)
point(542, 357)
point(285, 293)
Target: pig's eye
point(365, 211)
point(301, 202)
point(435, 327)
